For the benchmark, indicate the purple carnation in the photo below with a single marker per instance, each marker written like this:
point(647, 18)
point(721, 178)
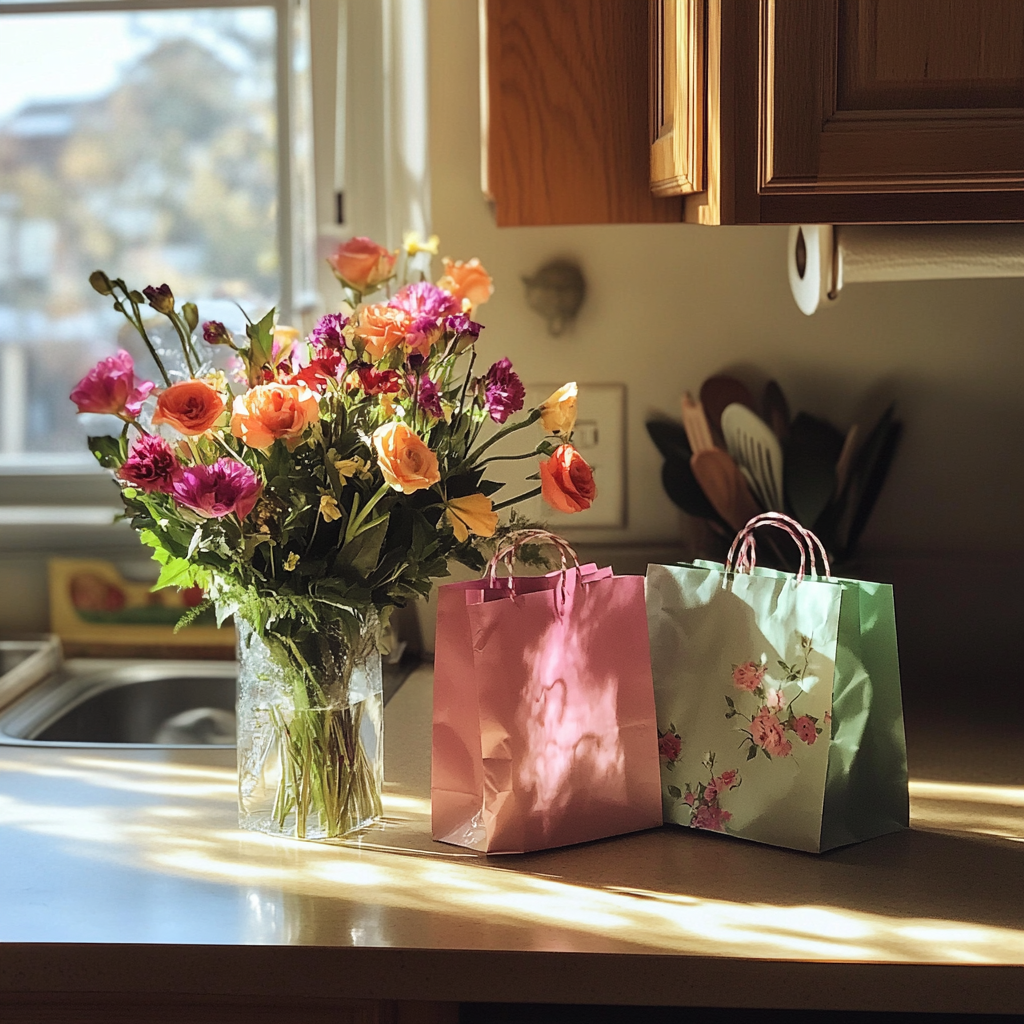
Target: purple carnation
point(504, 393)
point(461, 324)
point(425, 299)
point(327, 333)
point(151, 465)
point(428, 397)
point(218, 490)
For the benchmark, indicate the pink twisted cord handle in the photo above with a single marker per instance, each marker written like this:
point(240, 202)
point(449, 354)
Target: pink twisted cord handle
point(507, 550)
point(742, 556)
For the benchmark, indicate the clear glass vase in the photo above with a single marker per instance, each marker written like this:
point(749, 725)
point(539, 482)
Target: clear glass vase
point(310, 734)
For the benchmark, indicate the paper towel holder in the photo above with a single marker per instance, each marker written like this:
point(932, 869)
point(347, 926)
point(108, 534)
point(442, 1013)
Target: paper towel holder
point(822, 257)
point(815, 266)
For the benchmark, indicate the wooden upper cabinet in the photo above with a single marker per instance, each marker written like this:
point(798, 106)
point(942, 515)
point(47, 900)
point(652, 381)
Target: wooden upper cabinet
point(863, 111)
point(565, 108)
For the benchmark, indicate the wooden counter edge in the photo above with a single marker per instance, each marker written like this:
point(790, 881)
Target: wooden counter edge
point(452, 976)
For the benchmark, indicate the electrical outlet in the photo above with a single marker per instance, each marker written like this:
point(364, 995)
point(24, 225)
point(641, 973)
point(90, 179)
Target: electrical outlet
point(600, 437)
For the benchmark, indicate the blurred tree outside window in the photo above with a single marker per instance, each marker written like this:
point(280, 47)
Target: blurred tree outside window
point(144, 143)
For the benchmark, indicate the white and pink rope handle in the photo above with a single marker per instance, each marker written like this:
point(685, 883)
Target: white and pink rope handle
point(506, 553)
point(742, 556)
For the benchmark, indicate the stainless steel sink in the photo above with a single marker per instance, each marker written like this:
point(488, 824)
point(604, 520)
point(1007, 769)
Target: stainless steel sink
point(136, 703)
point(128, 703)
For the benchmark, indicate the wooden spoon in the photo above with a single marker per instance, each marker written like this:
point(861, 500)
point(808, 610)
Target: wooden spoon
point(775, 409)
point(695, 423)
point(724, 486)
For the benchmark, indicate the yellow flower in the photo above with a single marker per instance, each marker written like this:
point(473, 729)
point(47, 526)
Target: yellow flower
point(472, 514)
point(329, 508)
point(348, 468)
point(291, 561)
point(413, 244)
point(388, 407)
point(558, 413)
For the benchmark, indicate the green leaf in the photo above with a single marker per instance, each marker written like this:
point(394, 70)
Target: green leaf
point(752, 753)
point(673, 791)
point(177, 572)
point(729, 701)
point(261, 339)
point(110, 452)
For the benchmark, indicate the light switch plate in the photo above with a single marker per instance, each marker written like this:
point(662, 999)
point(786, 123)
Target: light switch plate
point(600, 437)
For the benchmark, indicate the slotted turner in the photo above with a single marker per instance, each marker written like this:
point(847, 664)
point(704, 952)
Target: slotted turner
point(757, 452)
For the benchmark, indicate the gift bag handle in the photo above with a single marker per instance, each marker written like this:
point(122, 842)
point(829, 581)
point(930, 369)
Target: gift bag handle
point(507, 550)
point(742, 555)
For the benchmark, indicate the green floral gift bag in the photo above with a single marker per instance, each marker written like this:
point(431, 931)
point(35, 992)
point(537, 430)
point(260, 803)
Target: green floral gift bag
point(778, 698)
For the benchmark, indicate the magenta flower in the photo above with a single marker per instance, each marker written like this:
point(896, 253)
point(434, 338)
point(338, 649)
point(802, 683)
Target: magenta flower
point(218, 490)
point(424, 299)
point(461, 324)
point(110, 387)
point(422, 334)
point(151, 465)
point(504, 393)
point(327, 333)
point(428, 398)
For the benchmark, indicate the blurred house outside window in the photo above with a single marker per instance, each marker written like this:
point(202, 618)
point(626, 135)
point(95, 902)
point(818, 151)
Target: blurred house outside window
point(147, 142)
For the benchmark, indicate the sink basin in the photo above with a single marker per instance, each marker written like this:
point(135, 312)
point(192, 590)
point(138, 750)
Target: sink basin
point(131, 703)
point(122, 702)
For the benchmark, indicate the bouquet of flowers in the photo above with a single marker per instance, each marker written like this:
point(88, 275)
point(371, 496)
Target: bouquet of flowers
point(314, 486)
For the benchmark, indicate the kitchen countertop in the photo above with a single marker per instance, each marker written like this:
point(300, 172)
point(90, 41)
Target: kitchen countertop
point(123, 871)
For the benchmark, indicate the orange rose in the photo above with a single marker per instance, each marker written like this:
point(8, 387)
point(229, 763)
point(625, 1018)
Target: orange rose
point(362, 264)
point(269, 411)
point(192, 407)
point(468, 282)
point(558, 413)
point(566, 481)
point(382, 328)
point(407, 463)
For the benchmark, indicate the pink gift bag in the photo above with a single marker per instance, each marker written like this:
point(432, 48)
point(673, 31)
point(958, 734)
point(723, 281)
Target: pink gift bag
point(545, 731)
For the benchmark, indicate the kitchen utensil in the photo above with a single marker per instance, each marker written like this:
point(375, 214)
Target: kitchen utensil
point(867, 476)
point(676, 475)
point(845, 459)
point(812, 449)
point(724, 486)
point(695, 422)
point(717, 394)
point(775, 409)
point(757, 450)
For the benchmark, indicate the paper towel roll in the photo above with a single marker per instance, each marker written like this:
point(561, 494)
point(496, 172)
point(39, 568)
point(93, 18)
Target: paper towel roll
point(822, 259)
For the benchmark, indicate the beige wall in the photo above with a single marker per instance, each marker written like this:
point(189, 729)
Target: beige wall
point(670, 304)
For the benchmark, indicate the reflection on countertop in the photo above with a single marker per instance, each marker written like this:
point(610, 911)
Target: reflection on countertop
point(141, 847)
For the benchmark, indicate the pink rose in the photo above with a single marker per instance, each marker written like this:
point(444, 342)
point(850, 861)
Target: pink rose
point(727, 779)
point(805, 728)
point(362, 264)
point(713, 818)
point(767, 732)
point(776, 700)
point(711, 791)
point(669, 746)
point(748, 676)
point(151, 465)
point(110, 387)
point(218, 490)
point(690, 799)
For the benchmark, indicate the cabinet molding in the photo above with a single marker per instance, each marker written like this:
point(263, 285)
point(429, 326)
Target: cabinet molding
point(677, 96)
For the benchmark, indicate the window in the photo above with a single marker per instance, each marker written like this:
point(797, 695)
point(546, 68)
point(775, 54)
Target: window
point(160, 143)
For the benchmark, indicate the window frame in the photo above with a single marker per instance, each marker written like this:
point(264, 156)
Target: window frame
point(75, 480)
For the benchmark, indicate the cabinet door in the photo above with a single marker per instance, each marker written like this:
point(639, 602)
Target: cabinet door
point(885, 110)
point(566, 129)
